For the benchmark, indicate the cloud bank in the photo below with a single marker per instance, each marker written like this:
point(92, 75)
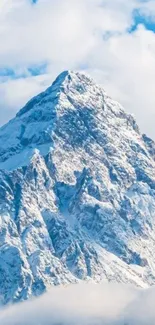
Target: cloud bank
point(91, 35)
point(108, 304)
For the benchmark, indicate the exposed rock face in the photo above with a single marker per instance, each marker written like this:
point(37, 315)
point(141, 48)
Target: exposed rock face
point(77, 192)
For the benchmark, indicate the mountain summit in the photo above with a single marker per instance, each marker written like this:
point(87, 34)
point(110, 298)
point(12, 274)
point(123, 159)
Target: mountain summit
point(77, 192)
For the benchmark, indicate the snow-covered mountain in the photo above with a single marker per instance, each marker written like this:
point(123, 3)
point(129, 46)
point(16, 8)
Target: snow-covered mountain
point(77, 192)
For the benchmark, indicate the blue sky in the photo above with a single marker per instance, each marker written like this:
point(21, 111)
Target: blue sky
point(113, 41)
point(138, 19)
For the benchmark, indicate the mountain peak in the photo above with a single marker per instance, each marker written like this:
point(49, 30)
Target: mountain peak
point(77, 194)
point(75, 77)
point(66, 81)
point(71, 109)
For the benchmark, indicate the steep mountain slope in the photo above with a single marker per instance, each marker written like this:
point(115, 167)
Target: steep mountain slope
point(77, 192)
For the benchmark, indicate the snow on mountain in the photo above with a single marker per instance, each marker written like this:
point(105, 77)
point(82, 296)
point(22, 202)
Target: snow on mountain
point(77, 192)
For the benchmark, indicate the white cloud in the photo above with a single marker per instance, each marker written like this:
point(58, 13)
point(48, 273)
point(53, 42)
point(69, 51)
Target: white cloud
point(109, 304)
point(79, 34)
point(15, 93)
